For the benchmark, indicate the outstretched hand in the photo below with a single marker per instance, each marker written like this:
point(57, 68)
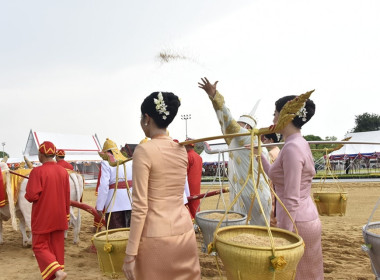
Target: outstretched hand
point(208, 87)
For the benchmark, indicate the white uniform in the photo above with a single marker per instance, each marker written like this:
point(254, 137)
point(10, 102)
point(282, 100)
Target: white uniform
point(186, 193)
point(238, 166)
point(105, 199)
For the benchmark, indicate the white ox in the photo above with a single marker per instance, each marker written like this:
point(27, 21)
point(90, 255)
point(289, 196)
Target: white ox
point(23, 208)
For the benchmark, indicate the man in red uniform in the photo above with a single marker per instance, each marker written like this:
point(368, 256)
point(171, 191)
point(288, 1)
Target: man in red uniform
point(60, 158)
point(48, 189)
point(194, 176)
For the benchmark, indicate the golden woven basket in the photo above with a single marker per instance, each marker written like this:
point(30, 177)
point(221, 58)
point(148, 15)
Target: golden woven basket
point(331, 203)
point(254, 263)
point(111, 252)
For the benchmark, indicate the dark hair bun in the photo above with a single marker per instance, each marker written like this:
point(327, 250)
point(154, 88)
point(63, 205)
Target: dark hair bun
point(304, 116)
point(162, 107)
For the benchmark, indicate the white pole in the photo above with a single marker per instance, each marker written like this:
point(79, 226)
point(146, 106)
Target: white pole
point(209, 151)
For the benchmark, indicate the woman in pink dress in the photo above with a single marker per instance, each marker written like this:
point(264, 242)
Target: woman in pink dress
point(162, 243)
point(292, 173)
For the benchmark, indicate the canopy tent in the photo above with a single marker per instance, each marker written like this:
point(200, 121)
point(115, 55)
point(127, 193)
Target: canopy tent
point(359, 150)
point(12, 160)
point(78, 148)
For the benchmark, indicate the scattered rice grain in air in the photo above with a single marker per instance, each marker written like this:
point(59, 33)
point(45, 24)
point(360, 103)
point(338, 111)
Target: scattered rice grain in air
point(165, 56)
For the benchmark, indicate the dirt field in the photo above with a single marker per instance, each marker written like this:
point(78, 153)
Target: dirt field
point(341, 240)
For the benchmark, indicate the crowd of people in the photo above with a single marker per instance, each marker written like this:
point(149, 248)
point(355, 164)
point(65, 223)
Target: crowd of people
point(149, 198)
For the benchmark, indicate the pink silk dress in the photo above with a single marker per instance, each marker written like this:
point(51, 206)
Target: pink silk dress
point(162, 234)
point(292, 173)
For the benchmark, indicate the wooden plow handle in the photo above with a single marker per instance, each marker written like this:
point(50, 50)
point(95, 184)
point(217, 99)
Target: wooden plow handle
point(202, 195)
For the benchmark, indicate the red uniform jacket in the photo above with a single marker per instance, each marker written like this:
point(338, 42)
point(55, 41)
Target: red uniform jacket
point(194, 177)
point(65, 164)
point(48, 189)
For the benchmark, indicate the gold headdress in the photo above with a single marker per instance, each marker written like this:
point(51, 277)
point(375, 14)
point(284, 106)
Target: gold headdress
point(115, 157)
point(288, 113)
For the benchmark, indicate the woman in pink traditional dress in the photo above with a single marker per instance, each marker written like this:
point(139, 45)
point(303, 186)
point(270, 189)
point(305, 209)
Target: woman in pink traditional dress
point(162, 243)
point(292, 173)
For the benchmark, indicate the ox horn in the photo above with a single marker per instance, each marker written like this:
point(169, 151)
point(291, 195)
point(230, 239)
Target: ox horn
point(28, 163)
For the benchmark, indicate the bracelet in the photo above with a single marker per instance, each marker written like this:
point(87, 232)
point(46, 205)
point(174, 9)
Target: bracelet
point(134, 258)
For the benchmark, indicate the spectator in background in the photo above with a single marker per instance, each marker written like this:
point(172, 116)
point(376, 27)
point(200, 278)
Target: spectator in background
point(60, 158)
point(347, 165)
point(194, 177)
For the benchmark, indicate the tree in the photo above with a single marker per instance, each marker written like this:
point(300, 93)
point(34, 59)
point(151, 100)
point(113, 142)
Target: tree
point(2, 154)
point(198, 147)
point(318, 150)
point(366, 122)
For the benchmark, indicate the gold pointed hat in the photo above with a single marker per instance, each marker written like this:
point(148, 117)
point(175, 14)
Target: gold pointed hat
point(110, 145)
point(250, 119)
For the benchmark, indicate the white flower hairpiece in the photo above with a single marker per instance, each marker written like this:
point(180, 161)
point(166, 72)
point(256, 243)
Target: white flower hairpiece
point(161, 106)
point(302, 113)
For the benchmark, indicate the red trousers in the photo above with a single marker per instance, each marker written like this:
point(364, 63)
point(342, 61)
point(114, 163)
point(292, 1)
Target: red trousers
point(49, 249)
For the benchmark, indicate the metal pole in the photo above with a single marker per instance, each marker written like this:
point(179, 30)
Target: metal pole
point(186, 117)
point(186, 128)
point(3, 148)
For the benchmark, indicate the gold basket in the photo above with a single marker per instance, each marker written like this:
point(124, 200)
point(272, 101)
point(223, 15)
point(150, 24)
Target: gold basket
point(254, 263)
point(111, 251)
point(331, 203)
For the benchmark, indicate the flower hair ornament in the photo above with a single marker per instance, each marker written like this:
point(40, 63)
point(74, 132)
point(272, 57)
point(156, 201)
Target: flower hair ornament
point(161, 106)
point(302, 113)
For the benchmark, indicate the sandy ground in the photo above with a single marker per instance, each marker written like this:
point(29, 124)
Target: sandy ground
point(341, 240)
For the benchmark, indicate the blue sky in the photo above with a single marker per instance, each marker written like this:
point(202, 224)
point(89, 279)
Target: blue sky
point(84, 67)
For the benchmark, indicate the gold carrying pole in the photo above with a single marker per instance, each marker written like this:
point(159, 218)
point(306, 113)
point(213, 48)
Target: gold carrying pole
point(287, 114)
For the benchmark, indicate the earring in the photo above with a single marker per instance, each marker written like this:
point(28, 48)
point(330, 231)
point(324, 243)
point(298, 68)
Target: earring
point(145, 124)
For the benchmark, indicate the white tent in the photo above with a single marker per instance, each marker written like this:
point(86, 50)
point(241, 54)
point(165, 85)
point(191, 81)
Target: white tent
point(354, 150)
point(81, 150)
point(78, 148)
point(12, 160)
